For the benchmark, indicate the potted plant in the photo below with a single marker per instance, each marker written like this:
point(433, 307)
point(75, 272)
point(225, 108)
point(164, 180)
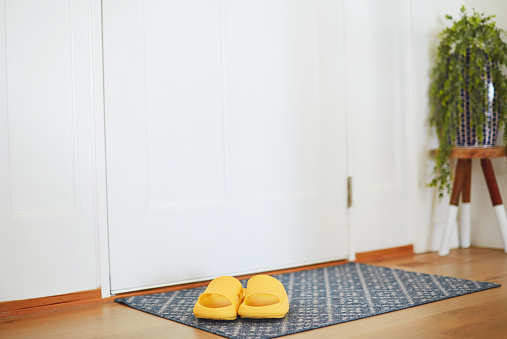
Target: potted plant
point(468, 93)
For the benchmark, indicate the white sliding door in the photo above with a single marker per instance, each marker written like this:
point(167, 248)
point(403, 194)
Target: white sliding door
point(225, 138)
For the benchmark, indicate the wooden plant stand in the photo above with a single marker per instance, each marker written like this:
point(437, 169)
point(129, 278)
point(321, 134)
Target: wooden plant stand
point(462, 184)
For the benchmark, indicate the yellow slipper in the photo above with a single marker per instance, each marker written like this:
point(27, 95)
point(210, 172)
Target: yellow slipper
point(220, 300)
point(265, 298)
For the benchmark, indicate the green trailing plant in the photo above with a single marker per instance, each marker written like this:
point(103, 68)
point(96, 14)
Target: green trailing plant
point(475, 37)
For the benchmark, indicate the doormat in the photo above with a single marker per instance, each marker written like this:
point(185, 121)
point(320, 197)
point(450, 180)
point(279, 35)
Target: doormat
point(318, 298)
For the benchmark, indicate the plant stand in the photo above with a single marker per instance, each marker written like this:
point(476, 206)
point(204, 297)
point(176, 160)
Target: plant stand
point(462, 184)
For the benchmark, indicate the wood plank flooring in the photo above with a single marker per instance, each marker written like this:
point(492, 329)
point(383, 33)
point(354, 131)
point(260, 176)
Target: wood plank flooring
point(478, 315)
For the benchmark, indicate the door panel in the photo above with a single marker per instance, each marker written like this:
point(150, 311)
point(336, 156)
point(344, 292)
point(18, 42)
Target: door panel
point(378, 106)
point(47, 193)
point(225, 142)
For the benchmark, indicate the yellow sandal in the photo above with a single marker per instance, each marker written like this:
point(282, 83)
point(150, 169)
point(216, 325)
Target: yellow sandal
point(220, 300)
point(265, 298)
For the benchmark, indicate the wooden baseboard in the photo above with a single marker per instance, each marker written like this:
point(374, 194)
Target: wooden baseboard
point(20, 307)
point(387, 253)
point(36, 305)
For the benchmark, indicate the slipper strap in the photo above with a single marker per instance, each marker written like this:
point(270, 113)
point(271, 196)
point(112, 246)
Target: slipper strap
point(265, 284)
point(228, 287)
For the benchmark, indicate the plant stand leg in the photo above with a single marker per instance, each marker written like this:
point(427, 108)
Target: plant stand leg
point(496, 199)
point(453, 208)
point(465, 228)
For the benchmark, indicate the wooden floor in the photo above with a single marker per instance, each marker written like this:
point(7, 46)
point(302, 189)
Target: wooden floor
point(478, 315)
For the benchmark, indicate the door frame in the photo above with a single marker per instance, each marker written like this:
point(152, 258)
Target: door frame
point(99, 150)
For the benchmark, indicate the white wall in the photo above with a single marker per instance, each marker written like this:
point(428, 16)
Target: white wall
point(428, 22)
point(485, 231)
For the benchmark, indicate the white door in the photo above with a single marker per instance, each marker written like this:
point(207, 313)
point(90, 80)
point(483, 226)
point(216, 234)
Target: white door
point(225, 138)
point(379, 63)
point(48, 187)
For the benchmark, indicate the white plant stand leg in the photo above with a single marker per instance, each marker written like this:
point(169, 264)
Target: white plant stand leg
point(451, 221)
point(496, 199)
point(464, 224)
point(462, 168)
point(501, 216)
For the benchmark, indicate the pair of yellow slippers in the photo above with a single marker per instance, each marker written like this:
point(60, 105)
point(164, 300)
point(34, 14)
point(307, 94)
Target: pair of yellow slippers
point(225, 299)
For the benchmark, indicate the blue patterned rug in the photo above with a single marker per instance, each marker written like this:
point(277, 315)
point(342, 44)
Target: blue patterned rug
point(318, 298)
